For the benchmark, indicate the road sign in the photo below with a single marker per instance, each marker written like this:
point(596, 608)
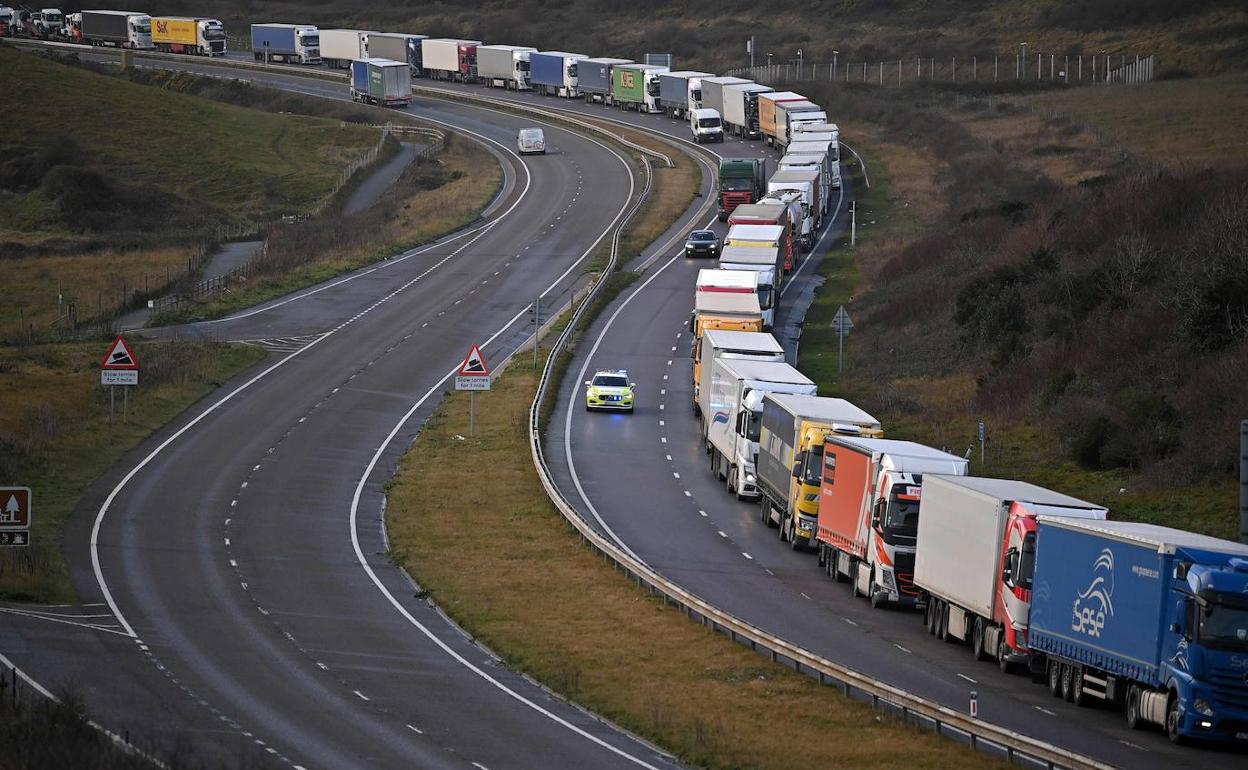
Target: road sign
point(473, 373)
point(15, 537)
point(14, 508)
point(474, 364)
point(120, 356)
point(119, 376)
point(841, 323)
point(472, 383)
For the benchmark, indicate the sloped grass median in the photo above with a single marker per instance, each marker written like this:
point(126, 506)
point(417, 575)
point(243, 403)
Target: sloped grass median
point(525, 585)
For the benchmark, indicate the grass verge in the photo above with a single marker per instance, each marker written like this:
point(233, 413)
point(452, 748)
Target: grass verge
point(556, 612)
point(55, 437)
point(433, 198)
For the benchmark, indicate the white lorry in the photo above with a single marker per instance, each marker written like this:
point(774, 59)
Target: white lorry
point(339, 47)
point(733, 416)
point(792, 115)
point(765, 262)
point(806, 185)
point(805, 161)
point(724, 343)
point(505, 66)
point(706, 126)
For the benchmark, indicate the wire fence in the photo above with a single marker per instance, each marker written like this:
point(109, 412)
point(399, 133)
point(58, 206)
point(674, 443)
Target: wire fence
point(1054, 68)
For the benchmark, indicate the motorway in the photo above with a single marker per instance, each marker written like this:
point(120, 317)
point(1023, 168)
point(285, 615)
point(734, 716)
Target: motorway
point(236, 588)
point(684, 524)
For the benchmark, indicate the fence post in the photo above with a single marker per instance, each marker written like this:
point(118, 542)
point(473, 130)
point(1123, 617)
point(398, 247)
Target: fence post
point(881, 73)
point(955, 69)
point(975, 68)
point(899, 73)
point(994, 68)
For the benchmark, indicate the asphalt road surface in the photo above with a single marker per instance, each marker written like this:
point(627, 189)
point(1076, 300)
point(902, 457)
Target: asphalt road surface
point(236, 586)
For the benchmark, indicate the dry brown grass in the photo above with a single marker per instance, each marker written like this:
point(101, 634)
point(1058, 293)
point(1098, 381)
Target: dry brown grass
point(1055, 147)
point(1197, 122)
point(97, 281)
point(516, 577)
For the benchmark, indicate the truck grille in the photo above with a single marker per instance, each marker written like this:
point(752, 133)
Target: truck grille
point(734, 199)
point(1229, 687)
point(903, 570)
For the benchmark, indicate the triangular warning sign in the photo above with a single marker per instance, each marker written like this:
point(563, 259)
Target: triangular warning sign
point(474, 364)
point(120, 356)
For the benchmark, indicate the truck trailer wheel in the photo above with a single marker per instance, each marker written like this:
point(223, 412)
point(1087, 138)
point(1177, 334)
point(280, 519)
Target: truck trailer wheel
point(1068, 682)
point(1077, 694)
point(1055, 678)
point(1133, 708)
point(977, 639)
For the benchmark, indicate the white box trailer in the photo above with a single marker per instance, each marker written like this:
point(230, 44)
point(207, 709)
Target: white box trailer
point(832, 167)
point(723, 343)
point(733, 415)
point(713, 91)
point(807, 185)
point(790, 115)
point(504, 66)
point(740, 109)
point(449, 58)
point(339, 47)
point(816, 161)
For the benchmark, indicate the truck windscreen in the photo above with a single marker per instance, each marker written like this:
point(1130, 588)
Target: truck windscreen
point(312, 41)
point(1225, 627)
point(812, 466)
point(708, 122)
point(767, 300)
point(736, 184)
point(901, 519)
point(1026, 562)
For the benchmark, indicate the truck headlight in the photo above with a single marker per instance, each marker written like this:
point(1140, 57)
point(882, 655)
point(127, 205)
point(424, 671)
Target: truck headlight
point(749, 478)
point(888, 580)
point(1202, 706)
point(805, 524)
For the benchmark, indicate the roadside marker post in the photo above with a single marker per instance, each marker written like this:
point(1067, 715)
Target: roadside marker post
point(473, 376)
point(119, 368)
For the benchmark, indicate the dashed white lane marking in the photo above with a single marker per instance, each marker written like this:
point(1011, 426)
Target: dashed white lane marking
point(704, 514)
point(675, 475)
point(663, 439)
point(673, 348)
point(662, 407)
point(661, 423)
point(688, 493)
point(479, 765)
point(244, 484)
point(967, 678)
point(665, 376)
point(416, 729)
point(722, 533)
point(256, 468)
point(903, 649)
point(662, 391)
point(1050, 713)
point(669, 361)
point(746, 555)
point(322, 666)
point(1132, 745)
point(227, 542)
point(851, 622)
point(769, 572)
point(805, 596)
point(234, 503)
point(233, 564)
point(361, 695)
point(669, 457)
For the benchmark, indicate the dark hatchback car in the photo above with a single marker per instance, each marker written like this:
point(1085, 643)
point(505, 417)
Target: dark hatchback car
point(702, 243)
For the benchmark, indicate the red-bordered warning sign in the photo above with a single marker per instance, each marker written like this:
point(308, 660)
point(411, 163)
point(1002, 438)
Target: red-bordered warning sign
point(120, 356)
point(474, 364)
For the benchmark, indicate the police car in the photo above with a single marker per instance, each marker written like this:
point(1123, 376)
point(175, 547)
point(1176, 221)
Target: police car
point(609, 390)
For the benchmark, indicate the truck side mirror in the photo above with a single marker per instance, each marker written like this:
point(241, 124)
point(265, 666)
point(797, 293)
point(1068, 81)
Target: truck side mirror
point(692, 316)
point(797, 464)
point(1176, 628)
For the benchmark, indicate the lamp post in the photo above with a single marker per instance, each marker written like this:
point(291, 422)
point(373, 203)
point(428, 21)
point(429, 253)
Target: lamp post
point(1023, 60)
point(799, 64)
point(834, 53)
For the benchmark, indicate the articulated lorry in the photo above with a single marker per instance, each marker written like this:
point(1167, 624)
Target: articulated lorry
point(396, 47)
point(970, 531)
point(741, 180)
point(741, 109)
point(790, 455)
point(766, 263)
point(119, 29)
point(713, 91)
point(594, 78)
point(381, 81)
point(806, 132)
point(792, 115)
point(288, 43)
point(1150, 619)
point(721, 281)
point(869, 513)
point(184, 34)
point(554, 73)
point(681, 92)
point(723, 343)
point(767, 111)
point(732, 416)
point(760, 237)
point(449, 59)
point(729, 311)
point(824, 148)
point(810, 161)
point(774, 213)
point(505, 66)
point(805, 183)
point(636, 86)
point(340, 47)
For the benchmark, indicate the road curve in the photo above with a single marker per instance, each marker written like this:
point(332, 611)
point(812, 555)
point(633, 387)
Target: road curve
point(243, 546)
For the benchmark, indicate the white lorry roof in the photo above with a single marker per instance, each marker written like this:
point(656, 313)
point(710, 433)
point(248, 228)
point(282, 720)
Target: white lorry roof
point(512, 48)
point(754, 233)
point(727, 339)
point(763, 371)
point(711, 279)
point(783, 96)
point(749, 255)
point(608, 60)
point(823, 409)
point(1016, 491)
point(902, 449)
point(727, 303)
point(1164, 539)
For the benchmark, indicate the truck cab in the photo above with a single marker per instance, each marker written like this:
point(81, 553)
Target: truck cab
point(741, 180)
point(47, 23)
point(706, 126)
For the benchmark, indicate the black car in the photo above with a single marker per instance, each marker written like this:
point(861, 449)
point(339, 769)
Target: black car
point(702, 243)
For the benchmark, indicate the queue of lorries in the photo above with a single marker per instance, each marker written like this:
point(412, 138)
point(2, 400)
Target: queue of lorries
point(1150, 619)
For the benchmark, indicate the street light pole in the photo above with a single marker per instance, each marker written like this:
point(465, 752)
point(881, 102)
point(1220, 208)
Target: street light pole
point(1023, 60)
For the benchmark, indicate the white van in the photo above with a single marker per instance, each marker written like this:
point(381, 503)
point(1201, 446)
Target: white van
point(706, 126)
point(531, 140)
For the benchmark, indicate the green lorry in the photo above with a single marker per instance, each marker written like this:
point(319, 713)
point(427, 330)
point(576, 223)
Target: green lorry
point(741, 181)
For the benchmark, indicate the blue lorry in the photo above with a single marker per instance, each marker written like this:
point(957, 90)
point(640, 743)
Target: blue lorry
point(1151, 619)
point(289, 43)
point(554, 73)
